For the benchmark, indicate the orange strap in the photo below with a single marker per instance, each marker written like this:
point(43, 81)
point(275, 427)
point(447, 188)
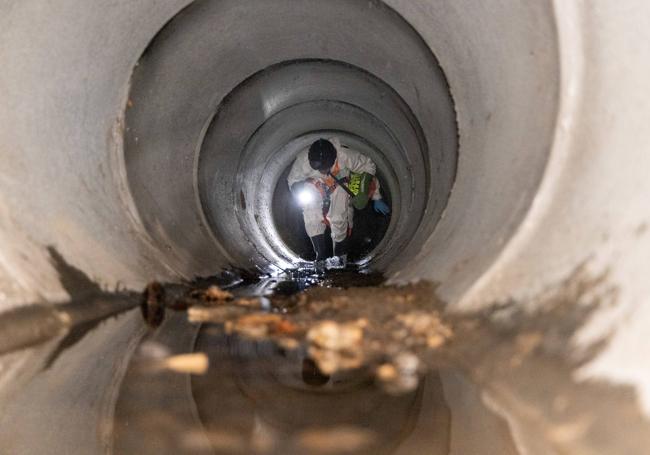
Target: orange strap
point(329, 181)
point(326, 185)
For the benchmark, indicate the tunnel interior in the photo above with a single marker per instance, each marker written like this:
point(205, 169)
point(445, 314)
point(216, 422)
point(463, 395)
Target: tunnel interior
point(198, 112)
point(224, 96)
point(228, 133)
point(169, 128)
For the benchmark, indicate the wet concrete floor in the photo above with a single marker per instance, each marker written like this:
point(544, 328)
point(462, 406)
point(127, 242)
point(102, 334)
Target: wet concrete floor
point(305, 364)
point(260, 398)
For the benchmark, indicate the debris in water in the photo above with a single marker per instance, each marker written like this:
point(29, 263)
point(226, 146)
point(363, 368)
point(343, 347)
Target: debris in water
point(260, 325)
point(426, 328)
point(341, 329)
point(289, 344)
point(401, 375)
point(387, 372)
point(196, 363)
point(254, 326)
point(250, 302)
point(337, 346)
point(154, 357)
point(285, 327)
point(337, 337)
point(214, 294)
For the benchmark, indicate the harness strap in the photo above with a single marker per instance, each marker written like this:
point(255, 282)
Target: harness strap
point(326, 187)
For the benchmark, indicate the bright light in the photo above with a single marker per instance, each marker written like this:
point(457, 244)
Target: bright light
point(305, 197)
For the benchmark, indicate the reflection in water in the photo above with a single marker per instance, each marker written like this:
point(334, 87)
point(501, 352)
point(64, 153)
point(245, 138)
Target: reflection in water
point(102, 388)
point(258, 398)
point(311, 375)
point(279, 402)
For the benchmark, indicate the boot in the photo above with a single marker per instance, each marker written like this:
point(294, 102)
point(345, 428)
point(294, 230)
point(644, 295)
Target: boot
point(340, 259)
point(320, 246)
point(341, 248)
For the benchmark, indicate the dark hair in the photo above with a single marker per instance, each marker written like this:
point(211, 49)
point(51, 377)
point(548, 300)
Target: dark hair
point(322, 155)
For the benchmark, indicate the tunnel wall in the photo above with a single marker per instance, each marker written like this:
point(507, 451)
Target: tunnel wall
point(588, 224)
point(64, 88)
point(552, 175)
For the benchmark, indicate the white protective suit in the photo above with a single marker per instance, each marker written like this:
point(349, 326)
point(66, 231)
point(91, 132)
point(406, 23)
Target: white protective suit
point(341, 213)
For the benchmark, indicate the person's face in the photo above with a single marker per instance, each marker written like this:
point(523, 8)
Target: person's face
point(323, 169)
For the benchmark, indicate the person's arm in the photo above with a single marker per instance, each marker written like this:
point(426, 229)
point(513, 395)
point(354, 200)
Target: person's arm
point(359, 163)
point(298, 173)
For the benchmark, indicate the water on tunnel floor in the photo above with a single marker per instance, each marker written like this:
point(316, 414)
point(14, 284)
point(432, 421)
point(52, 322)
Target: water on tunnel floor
point(261, 399)
point(108, 393)
point(306, 364)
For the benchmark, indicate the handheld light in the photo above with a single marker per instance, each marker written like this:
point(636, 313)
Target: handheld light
point(305, 196)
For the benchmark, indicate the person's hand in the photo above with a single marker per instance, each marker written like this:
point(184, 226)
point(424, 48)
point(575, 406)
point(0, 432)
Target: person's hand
point(381, 207)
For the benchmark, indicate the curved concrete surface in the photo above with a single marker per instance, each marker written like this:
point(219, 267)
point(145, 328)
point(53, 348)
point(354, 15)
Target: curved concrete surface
point(122, 149)
point(99, 396)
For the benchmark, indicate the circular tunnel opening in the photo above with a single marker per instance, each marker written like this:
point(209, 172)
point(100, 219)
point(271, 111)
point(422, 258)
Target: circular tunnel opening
point(236, 118)
point(331, 100)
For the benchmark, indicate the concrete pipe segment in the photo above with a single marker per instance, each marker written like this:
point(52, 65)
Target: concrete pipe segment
point(147, 139)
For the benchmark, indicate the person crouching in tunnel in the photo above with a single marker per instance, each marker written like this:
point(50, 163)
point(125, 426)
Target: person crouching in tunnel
point(330, 180)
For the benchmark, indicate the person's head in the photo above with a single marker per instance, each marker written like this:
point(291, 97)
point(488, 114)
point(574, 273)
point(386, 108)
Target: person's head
point(322, 155)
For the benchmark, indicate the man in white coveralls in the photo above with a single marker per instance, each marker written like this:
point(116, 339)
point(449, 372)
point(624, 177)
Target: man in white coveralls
point(324, 178)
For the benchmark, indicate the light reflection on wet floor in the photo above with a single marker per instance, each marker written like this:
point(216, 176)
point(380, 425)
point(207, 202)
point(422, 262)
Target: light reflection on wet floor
point(258, 398)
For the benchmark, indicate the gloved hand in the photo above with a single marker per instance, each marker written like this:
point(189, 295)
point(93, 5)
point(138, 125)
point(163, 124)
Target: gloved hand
point(381, 207)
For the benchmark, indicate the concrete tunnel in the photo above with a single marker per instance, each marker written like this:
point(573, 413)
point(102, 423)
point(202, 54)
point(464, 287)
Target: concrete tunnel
point(149, 140)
